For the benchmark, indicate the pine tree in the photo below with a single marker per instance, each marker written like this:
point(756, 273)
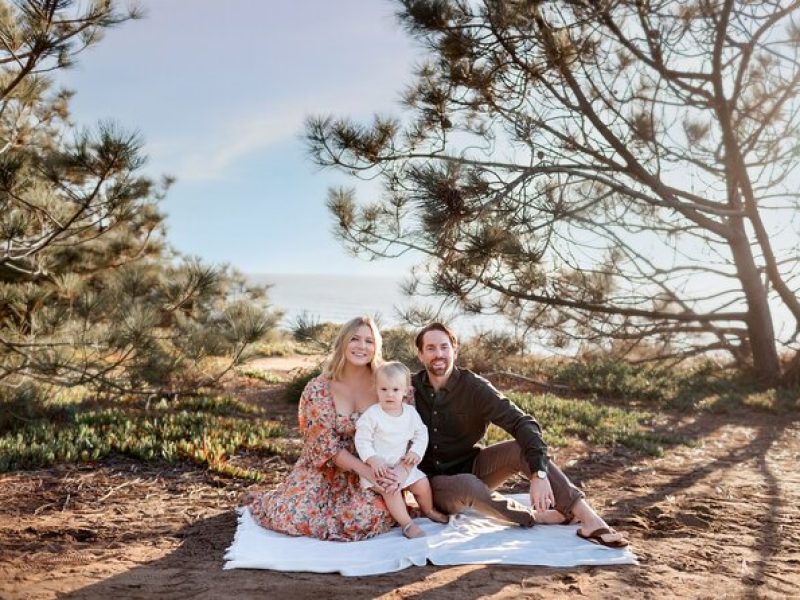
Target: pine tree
point(618, 171)
point(91, 294)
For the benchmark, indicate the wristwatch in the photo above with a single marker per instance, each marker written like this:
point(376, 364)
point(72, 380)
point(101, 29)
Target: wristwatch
point(541, 474)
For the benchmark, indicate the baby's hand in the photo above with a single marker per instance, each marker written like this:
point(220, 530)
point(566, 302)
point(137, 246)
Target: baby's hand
point(379, 467)
point(411, 459)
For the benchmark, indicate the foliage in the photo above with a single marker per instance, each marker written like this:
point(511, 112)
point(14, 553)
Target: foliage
point(294, 389)
point(398, 344)
point(595, 423)
point(310, 331)
point(90, 293)
point(259, 374)
point(613, 172)
point(279, 347)
point(207, 430)
point(621, 380)
point(700, 385)
point(489, 351)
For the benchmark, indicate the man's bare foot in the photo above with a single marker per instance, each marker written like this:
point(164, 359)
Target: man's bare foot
point(548, 517)
point(595, 523)
point(436, 516)
point(411, 530)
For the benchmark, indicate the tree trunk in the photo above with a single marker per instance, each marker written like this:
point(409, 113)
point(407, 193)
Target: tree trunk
point(759, 320)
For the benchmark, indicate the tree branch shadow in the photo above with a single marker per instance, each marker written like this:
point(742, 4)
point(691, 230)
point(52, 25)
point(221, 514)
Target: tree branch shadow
point(766, 533)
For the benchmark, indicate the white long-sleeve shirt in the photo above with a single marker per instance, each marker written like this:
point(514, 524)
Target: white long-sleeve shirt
point(388, 436)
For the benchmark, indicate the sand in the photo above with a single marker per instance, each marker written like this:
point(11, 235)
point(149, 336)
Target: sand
point(716, 519)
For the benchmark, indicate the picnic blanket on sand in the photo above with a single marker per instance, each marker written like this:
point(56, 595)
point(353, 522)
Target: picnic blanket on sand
point(469, 538)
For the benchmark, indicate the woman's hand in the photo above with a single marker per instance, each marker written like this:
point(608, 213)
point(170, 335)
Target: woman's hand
point(395, 478)
point(379, 468)
point(409, 397)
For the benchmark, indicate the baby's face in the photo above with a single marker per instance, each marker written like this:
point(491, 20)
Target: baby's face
point(391, 391)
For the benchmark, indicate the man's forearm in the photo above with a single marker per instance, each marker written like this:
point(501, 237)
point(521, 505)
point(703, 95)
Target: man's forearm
point(525, 429)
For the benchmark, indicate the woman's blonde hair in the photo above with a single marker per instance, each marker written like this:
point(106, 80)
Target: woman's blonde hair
point(334, 365)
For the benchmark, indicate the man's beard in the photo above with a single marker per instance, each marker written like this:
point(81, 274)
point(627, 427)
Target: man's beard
point(439, 367)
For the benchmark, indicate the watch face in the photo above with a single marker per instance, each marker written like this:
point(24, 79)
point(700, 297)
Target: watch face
point(541, 474)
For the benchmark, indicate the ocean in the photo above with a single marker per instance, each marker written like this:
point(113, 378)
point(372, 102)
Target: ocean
point(339, 298)
point(335, 298)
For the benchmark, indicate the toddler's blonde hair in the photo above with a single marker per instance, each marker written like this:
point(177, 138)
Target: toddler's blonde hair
point(393, 368)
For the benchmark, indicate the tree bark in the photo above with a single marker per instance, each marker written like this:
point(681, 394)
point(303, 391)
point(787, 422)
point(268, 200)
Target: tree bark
point(760, 330)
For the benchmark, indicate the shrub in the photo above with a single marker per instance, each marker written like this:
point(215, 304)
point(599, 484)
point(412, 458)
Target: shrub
point(489, 351)
point(398, 344)
point(312, 332)
point(294, 389)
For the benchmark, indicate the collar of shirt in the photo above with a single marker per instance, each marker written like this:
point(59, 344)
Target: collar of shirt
point(449, 385)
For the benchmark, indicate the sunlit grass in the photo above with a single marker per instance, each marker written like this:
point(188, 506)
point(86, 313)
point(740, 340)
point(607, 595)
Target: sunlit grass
point(565, 420)
point(701, 386)
point(260, 374)
point(205, 430)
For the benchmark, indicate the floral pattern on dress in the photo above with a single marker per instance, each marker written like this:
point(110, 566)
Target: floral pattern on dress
point(317, 499)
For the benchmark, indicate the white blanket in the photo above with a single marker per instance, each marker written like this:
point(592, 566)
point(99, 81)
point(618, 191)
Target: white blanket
point(467, 539)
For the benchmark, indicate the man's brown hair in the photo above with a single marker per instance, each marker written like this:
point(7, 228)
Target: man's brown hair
point(435, 326)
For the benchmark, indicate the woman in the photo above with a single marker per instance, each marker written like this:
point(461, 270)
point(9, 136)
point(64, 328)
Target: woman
point(322, 497)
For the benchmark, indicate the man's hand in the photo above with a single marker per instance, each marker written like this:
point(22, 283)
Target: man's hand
point(541, 494)
point(411, 459)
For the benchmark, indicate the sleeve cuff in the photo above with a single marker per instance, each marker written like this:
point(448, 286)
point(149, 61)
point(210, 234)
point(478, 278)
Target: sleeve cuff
point(539, 463)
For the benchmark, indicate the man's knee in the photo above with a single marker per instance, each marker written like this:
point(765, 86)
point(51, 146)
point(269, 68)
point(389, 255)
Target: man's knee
point(498, 462)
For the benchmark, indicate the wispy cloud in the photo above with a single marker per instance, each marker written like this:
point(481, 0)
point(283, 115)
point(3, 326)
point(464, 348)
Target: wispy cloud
point(212, 152)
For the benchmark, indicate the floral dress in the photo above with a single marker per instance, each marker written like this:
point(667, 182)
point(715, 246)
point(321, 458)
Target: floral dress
point(317, 499)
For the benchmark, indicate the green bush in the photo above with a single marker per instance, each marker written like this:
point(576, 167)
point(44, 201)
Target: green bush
point(702, 385)
point(295, 387)
point(617, 379)
point(259, 374)
point(488, 351)
point(314, 334)
point(398, 344)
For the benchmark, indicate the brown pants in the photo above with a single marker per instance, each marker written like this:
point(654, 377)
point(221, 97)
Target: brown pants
point(493, 466)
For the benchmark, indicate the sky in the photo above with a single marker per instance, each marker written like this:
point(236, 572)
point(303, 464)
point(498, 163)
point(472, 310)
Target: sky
point(219, 92)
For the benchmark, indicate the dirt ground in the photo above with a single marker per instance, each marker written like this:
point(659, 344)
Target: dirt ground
point(719, 518)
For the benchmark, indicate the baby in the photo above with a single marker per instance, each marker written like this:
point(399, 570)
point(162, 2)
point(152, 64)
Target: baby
point(383, 434)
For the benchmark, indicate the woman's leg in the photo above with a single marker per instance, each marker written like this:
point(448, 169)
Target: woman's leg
point(422, 492)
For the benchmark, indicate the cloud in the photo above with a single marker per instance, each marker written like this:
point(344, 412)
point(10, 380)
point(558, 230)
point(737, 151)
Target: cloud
point(210, 154)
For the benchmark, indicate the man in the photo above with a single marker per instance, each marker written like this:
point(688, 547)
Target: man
point(457, 406)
